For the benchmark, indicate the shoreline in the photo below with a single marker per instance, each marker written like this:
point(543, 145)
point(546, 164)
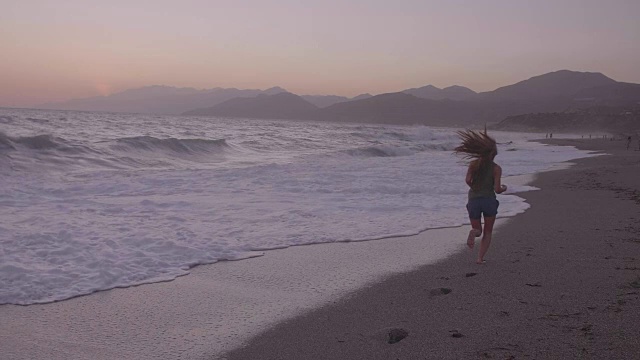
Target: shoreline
point(561, 282)
point(185, 317)
point(224, 303)
point(216, 306)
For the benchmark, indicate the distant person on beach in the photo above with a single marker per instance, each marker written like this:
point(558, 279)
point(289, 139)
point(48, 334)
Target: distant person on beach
point(483, 178)
point(628, 142)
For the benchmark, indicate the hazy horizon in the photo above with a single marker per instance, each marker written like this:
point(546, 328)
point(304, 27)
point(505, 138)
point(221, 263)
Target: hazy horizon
point(56, 51)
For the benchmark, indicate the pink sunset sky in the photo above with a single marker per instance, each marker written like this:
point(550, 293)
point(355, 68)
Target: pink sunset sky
point(58, 50)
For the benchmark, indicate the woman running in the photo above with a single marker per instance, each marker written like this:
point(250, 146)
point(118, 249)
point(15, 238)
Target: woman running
point(483, 178)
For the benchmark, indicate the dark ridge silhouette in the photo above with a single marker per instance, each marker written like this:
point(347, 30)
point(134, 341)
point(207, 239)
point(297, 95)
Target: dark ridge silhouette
point(404, 108)
point(559, 92)
point(457, 92)
point(274, 90)
point(361, 97)
point(157, 100)
point(279, 106)
point(149, 92)
point(615, 120)
point(425, 92)
point(401, 108)
point(324, 100)
point(555, 84)
point(618, 94)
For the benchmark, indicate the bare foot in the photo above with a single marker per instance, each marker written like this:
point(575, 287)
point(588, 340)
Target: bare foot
point(471, 239)
point(480, 261)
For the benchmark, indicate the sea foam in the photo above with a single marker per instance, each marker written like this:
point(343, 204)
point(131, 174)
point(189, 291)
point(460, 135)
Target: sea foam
point(140, 204)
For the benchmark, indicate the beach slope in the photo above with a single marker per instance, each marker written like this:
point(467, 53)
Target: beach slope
point(562, 281)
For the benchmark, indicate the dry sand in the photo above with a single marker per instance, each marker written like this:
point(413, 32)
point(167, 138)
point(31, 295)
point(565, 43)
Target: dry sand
point(562, 281)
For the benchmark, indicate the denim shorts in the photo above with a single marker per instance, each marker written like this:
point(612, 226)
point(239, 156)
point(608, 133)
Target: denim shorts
point(487, 206)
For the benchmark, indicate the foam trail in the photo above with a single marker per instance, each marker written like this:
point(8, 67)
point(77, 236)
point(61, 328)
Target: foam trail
point(95, 201)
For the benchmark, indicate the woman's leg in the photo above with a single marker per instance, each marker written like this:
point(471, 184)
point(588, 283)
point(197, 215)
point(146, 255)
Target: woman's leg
point(486, 238)
point(476, 231)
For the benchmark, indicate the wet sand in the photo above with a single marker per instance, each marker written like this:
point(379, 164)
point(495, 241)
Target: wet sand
point(562, 281)
point(215, 307)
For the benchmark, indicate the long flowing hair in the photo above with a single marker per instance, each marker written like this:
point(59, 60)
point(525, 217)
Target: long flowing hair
point(480, 148)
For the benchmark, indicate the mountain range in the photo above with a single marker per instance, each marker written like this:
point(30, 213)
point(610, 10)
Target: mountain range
point(554, 92)
point(158, 99)
point(454, 92)
point(284, 105)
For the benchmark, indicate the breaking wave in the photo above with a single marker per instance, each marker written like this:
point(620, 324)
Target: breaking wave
point(181, 146)
point(379, 151)
point(40, 142)
point(55, 153)
point(391, 151)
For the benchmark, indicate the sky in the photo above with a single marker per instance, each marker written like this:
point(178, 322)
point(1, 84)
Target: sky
point(63, 49)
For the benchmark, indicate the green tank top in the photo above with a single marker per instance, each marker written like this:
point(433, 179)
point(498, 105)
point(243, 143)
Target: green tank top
point(486, 188)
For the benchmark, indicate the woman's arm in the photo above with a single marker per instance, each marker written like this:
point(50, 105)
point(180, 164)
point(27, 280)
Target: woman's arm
point(469, 178)
point(497, 174)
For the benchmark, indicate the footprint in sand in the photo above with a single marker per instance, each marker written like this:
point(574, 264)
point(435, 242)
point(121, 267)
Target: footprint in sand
point(440, 291)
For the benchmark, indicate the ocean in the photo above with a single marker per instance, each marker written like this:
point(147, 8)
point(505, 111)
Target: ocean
point(95, 201)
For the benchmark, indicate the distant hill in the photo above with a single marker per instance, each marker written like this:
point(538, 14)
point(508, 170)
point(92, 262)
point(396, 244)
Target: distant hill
point(279, 106)
point(425, 92)
point(452, 92)
point(157, 100)
point(324, 100)
point(362, 97)
point(556, 92)
point(401, 108)
point(563, 83)
point(560, 92)
point(616, 94)
point(616, 120)
point(457, 92)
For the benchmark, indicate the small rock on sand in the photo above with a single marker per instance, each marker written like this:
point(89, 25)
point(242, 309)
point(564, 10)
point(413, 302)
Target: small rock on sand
point(397, 334)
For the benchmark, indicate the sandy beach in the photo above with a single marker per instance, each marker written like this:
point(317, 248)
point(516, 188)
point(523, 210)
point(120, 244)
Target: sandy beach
point(206, 180)
point(562, 281)
point(216, 307)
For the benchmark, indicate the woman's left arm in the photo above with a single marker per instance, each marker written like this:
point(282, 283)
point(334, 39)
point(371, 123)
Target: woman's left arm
point(469, 178)
point(497, 175)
